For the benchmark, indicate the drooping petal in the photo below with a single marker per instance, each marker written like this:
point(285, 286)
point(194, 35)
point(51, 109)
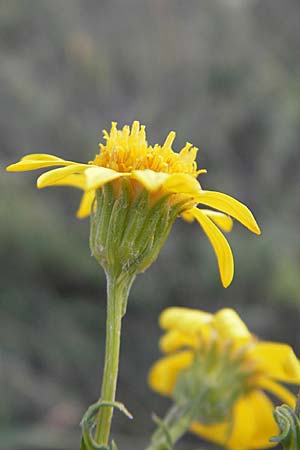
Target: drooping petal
point(277, 389)
point(220, 246)
point(98, 176)
point(221, 220)
point(54, 176)
point(150, 179)
point(37, 161)
point(163, 374)
point(251, 428)
point(184, 319)
point(277, 361)
point(231, 206)
point(84, 209)
point(174, 340)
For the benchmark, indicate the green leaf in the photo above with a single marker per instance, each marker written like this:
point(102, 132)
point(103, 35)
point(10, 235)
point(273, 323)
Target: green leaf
point(88, 423)
point(288, 421)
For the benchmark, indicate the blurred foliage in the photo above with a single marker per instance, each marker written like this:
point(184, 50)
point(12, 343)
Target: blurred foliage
point(225, 75)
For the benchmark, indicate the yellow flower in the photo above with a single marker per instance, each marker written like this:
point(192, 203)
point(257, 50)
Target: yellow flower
point(159, 170)
point(267, 365)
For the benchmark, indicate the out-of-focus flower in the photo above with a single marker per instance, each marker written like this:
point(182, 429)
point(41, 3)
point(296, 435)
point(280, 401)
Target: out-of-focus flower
point(158, 170)
point(217, 356)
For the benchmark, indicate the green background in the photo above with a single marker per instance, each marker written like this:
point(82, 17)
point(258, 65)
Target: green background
point(225, 75)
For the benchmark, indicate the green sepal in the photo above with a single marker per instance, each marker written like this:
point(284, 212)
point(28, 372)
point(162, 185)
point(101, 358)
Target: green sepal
point(150, 222)
point(212, 384)
point(288, 421)
point(100, 217)
point(161, 233)
point(96, 221)
point(137, 216)
point(128, 229)
point(117, 223)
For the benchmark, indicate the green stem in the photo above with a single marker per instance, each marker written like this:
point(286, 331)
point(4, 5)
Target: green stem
point(117, 294)
point(176, 423)
point(173, 427)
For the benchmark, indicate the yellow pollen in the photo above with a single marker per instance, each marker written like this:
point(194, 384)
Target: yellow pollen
point(127, 149)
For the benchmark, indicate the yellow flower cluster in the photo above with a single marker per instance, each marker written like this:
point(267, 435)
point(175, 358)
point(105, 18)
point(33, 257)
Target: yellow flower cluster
point(268, 364)
point(159, 170)
point(127, 150)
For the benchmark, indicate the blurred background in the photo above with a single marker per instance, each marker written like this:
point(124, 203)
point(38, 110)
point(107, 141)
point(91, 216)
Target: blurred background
point(225, 75)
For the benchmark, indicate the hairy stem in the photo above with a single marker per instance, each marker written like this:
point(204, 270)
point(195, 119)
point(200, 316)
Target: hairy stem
point(117, 294)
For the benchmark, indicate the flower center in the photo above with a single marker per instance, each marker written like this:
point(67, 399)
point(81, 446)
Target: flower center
point(127, 150)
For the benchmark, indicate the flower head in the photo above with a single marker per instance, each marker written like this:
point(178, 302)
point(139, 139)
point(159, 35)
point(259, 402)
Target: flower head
point(218, 353)
point(156, 169)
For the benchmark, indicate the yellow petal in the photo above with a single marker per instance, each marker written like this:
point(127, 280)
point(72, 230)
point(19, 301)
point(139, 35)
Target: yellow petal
point(75, 180)
point(221, 220)
point(85, 204)
point(174, 340)
point(98, 176)
point(181, 183)
point(151, 180)
point(230, 326)
point(277, 361)
point(41, 157)
point(169, 183)
point(184, 319)
point(276, 389)
point(220, 246)
point(235, 435)
point(265, 425)
point(217, 432)
point(54, 176)
point(253, 422)
point(37, 161)
point(187, 215)
point(163, 374)
point(231, 206)
point(251, 428)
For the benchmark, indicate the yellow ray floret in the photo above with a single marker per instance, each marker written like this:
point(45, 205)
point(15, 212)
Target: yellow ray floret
point(159, 170)
point(189, 332)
